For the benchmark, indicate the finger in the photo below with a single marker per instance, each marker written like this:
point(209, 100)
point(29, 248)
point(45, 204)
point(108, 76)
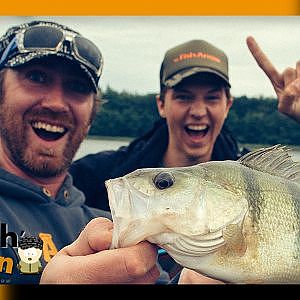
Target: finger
point(298, 69)
point(140, 259)
point(123, 265)
point(286, 104)
point(136, 264)
point(289, 75)
point(96, 236)
point(264, 63)
point(150, 277)
point(139, 263)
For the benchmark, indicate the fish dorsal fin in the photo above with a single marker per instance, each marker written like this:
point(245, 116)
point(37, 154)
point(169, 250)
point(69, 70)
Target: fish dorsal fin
point(274, 160)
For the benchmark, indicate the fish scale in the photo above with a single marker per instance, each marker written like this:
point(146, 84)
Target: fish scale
point(271, 209)
point(276, 212)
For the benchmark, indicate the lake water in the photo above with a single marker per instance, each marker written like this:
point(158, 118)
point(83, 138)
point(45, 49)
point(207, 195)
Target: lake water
point(96, 145)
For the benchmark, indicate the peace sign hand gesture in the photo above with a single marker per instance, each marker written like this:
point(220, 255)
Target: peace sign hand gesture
point(286, 85)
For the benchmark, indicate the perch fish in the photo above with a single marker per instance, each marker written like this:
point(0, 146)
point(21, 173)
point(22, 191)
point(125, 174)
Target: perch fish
point(236, 221)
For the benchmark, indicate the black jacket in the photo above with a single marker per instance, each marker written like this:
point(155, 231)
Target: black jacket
point(90, 172)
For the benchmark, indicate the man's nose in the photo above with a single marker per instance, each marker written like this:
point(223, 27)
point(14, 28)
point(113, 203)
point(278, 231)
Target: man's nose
point(198, 108)
point(56, 99)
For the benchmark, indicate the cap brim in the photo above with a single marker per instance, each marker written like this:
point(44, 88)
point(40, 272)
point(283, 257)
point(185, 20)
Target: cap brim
point(25, 58)
point(179, 76)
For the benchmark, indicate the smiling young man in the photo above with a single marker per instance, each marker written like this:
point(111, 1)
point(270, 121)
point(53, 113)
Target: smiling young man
point(195, 110)
point(195, 100)
point(48, 98)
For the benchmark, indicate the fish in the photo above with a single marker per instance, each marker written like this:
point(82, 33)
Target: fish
point(235, 221)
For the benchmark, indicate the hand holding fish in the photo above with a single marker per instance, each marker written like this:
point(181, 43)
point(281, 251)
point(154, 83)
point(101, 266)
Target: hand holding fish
point(88, 261)
point(286, 84)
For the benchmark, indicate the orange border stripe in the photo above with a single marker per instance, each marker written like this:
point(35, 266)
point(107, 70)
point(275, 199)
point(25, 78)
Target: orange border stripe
point(151, 7)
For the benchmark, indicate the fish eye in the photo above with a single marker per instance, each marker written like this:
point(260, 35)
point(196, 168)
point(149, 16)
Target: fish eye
point(163, 180)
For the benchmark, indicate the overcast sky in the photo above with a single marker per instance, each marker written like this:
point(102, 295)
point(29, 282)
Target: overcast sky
point(133, 47)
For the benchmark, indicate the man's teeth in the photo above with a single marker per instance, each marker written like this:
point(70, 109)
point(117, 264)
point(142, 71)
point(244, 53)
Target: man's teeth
point(197, 127)
point(48, 127)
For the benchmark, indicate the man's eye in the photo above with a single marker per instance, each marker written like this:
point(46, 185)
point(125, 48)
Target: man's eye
point(36, 76)
point(182, 97)
point(79, 87)
point(213, 98)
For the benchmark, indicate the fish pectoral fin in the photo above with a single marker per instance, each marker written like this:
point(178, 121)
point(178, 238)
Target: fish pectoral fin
point(234, 239)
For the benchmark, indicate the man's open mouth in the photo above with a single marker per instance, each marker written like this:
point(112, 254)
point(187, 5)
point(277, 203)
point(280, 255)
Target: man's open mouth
point(196, 130)
point(48, 132)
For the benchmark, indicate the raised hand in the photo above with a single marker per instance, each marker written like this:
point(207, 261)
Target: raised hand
point(286, 84)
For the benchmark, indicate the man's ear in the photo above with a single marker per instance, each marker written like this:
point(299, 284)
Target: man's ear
point(229, 104)
point(160, 106)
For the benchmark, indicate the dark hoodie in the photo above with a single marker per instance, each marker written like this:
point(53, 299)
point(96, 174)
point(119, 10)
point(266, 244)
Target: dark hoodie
point(90, 172)
point(26, 207)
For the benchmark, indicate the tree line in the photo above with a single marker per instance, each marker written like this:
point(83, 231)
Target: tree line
point(251, 120)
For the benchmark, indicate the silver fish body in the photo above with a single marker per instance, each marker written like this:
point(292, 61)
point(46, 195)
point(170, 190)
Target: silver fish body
point(237, 221)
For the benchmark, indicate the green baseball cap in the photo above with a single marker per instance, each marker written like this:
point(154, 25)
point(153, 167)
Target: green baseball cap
point(193, 57)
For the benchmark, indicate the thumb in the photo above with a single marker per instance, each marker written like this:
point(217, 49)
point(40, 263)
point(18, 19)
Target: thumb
point(96, 236)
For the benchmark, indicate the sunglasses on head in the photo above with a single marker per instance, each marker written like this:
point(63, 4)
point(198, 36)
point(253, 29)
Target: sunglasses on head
point(53, 39)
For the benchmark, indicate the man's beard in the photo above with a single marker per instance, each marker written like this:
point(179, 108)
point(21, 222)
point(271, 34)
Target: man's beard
point(14, 133)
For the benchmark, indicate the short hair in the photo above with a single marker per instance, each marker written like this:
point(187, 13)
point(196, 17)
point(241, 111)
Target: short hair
point(27, 242)
point(206, 78)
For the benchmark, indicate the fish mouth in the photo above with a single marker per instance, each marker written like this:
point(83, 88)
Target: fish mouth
point(48, 131)
point(196, 130)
